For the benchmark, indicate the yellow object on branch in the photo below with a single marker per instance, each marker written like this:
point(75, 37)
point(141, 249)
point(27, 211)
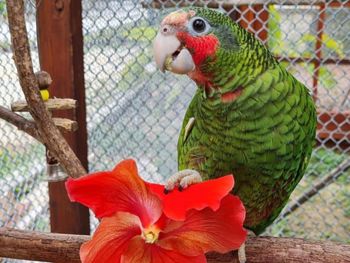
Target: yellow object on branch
point(45, 95)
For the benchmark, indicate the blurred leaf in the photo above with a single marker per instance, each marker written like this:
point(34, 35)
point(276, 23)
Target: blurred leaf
point(326, 78)
point(327, 41)
point(134, 71)
point(308, 38)
point(10, 160)
point(275, 41)
point(333, 45)
point(142, 33)
point(288, 66)
point(2, 7)
point(309, 67)
point(279, 47)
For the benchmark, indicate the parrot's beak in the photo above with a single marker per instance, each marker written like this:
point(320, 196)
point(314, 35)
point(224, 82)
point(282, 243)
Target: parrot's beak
point(169, 54)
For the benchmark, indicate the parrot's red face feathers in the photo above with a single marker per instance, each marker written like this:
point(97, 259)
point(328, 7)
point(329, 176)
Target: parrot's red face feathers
point(201, 47)
point(183, 43)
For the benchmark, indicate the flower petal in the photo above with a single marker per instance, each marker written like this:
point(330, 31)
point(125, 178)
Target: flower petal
point(140, 252)
point(206, 230)
point(111, 238)
point(119, 190)
point(197, 196)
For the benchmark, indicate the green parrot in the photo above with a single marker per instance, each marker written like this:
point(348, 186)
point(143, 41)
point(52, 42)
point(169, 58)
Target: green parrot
point(249, 116)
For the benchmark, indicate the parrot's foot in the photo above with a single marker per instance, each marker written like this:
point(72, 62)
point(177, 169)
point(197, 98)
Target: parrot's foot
point(182, 179)
point(241, 254)
point(241, 251)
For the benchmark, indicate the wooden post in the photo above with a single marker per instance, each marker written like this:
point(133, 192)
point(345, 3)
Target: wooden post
point(60, 41)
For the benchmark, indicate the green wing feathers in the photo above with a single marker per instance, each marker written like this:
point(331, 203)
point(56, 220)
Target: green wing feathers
point(264, 138)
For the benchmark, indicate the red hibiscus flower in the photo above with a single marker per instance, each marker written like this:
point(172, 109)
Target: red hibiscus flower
point(140, 224)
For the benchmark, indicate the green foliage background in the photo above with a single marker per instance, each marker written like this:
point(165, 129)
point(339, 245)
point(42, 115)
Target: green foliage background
point(2, 7)
point(281, 47)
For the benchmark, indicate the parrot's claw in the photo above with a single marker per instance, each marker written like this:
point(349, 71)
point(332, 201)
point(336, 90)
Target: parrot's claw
point(241, 251)
point(241, 254)
point(182, 179)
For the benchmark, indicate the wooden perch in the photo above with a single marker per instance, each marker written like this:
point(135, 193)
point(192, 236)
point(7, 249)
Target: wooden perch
point(66, 124)
point(49, 133)
point(51, 104)
point(40, 246)
point(51, 247)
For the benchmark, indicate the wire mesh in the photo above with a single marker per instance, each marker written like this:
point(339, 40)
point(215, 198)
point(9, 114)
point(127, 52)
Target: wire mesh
point(23, 190)
point(136, 111)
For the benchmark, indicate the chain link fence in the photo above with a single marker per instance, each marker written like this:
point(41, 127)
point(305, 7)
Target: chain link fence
point(23, 189)
point(24, 201)
point(136, 111)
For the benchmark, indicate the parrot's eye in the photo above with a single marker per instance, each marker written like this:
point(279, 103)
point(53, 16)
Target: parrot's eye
point(198, 26)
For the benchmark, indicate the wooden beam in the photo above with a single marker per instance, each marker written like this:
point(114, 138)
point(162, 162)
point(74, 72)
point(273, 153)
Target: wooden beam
point(339, 3)
point(60, 44)
point(31, 245)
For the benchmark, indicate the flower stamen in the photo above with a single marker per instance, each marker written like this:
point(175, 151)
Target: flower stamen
point(150, 234)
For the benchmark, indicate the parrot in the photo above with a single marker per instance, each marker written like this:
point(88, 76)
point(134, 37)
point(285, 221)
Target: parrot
point(249, 116)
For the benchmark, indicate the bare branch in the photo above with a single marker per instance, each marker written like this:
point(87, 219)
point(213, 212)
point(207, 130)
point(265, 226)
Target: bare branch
point(20, 122)
point(47, 129)
point(31, 245)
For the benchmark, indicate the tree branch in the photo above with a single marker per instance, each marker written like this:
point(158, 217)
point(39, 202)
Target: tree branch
point(50, 134)
point(51, 247)
point(40, 246)
point(20, 122)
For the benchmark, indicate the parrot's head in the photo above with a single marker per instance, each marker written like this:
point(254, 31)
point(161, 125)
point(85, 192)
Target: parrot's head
point(204, 44)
